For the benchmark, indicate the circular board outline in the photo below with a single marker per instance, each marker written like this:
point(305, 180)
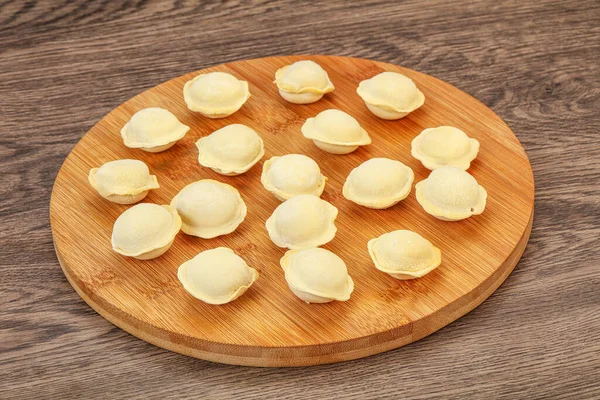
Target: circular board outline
point(315, 354)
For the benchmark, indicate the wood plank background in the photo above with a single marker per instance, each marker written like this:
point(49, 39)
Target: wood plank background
point(65, 64)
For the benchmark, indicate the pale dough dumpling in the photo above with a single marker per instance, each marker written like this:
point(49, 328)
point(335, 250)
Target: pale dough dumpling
point(301, 222)
point(123, 181)
point(291, 175)
point(303, 82)
point(153, 130)
point(231, 150)
point(216, 276)
point(209, 208)
point(145, 231)
point(390, 95)
point(444, 145)
point(379, 183)
point(404, 254)
point(451, 194)
point(317, 275)
point(215, 94)
point(335, 132)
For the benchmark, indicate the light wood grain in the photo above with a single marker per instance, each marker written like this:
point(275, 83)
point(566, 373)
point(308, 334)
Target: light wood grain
point(65, 65)
point(269, 326)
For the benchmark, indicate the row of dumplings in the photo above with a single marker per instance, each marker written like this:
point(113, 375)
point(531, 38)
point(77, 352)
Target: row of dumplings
point(449, 193)
point(235, 148)
point(389, 95)
point(208, 208)
point(313, 274)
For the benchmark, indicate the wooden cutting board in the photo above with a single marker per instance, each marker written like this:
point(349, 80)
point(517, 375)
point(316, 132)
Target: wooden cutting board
point(269, 326)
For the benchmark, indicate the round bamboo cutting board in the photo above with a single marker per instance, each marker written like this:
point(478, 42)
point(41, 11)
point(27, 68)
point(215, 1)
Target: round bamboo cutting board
point(269, 326)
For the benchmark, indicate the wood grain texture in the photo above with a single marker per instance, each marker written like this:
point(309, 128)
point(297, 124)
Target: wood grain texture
point(269, 326)
point(65, 65)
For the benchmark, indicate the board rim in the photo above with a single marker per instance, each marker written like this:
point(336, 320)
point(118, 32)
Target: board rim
point(328, 354)
point(327, 357)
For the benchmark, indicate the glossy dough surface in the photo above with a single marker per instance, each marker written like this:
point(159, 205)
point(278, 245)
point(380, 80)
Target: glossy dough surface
point(145, 230)
point(404, 254)
point(123, 181)
point(390, 95)
point(292, 174)
point(335, 131)
point(231, 150)
point(317, 275)
point(301, 222)
point(378, 183)
point(216, 276)
point(444, 145)
point(215, 94)
point(451, 194)
point(209, 208)
point(153, 129)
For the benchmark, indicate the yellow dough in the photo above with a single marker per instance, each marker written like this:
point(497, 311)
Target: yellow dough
point(216, 276)
point(123, 181)
point(317, 275)
point(145, 231)
point(404, 254)
point(291, 175)
point(231, 150)
point(451, 194)
point(336, 132)
point(216, 94)
point(303, 82)
point(153, 129)
point(209, 208)
point(444, 145)
point(390, 95)
point(378, 183)
point(301, 222)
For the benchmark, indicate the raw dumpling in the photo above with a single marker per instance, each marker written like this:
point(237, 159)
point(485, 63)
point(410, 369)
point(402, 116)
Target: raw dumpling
point(145, 231)
point(404, 254)
point(303, 82)
point(291, 175)
point(378, 183)
point(216, 94)
point(123, 181)
point(390, 95)
point(444, 145)
point(153, 129)
point(216, 276)
point(231, 150)
point(301, 222)
point(451, 194)
point(335, 132)
point(317, 275)
point(209, 208)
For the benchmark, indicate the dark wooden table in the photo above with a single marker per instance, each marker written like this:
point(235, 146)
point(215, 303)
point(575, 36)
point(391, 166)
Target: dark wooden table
point(65, 64)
